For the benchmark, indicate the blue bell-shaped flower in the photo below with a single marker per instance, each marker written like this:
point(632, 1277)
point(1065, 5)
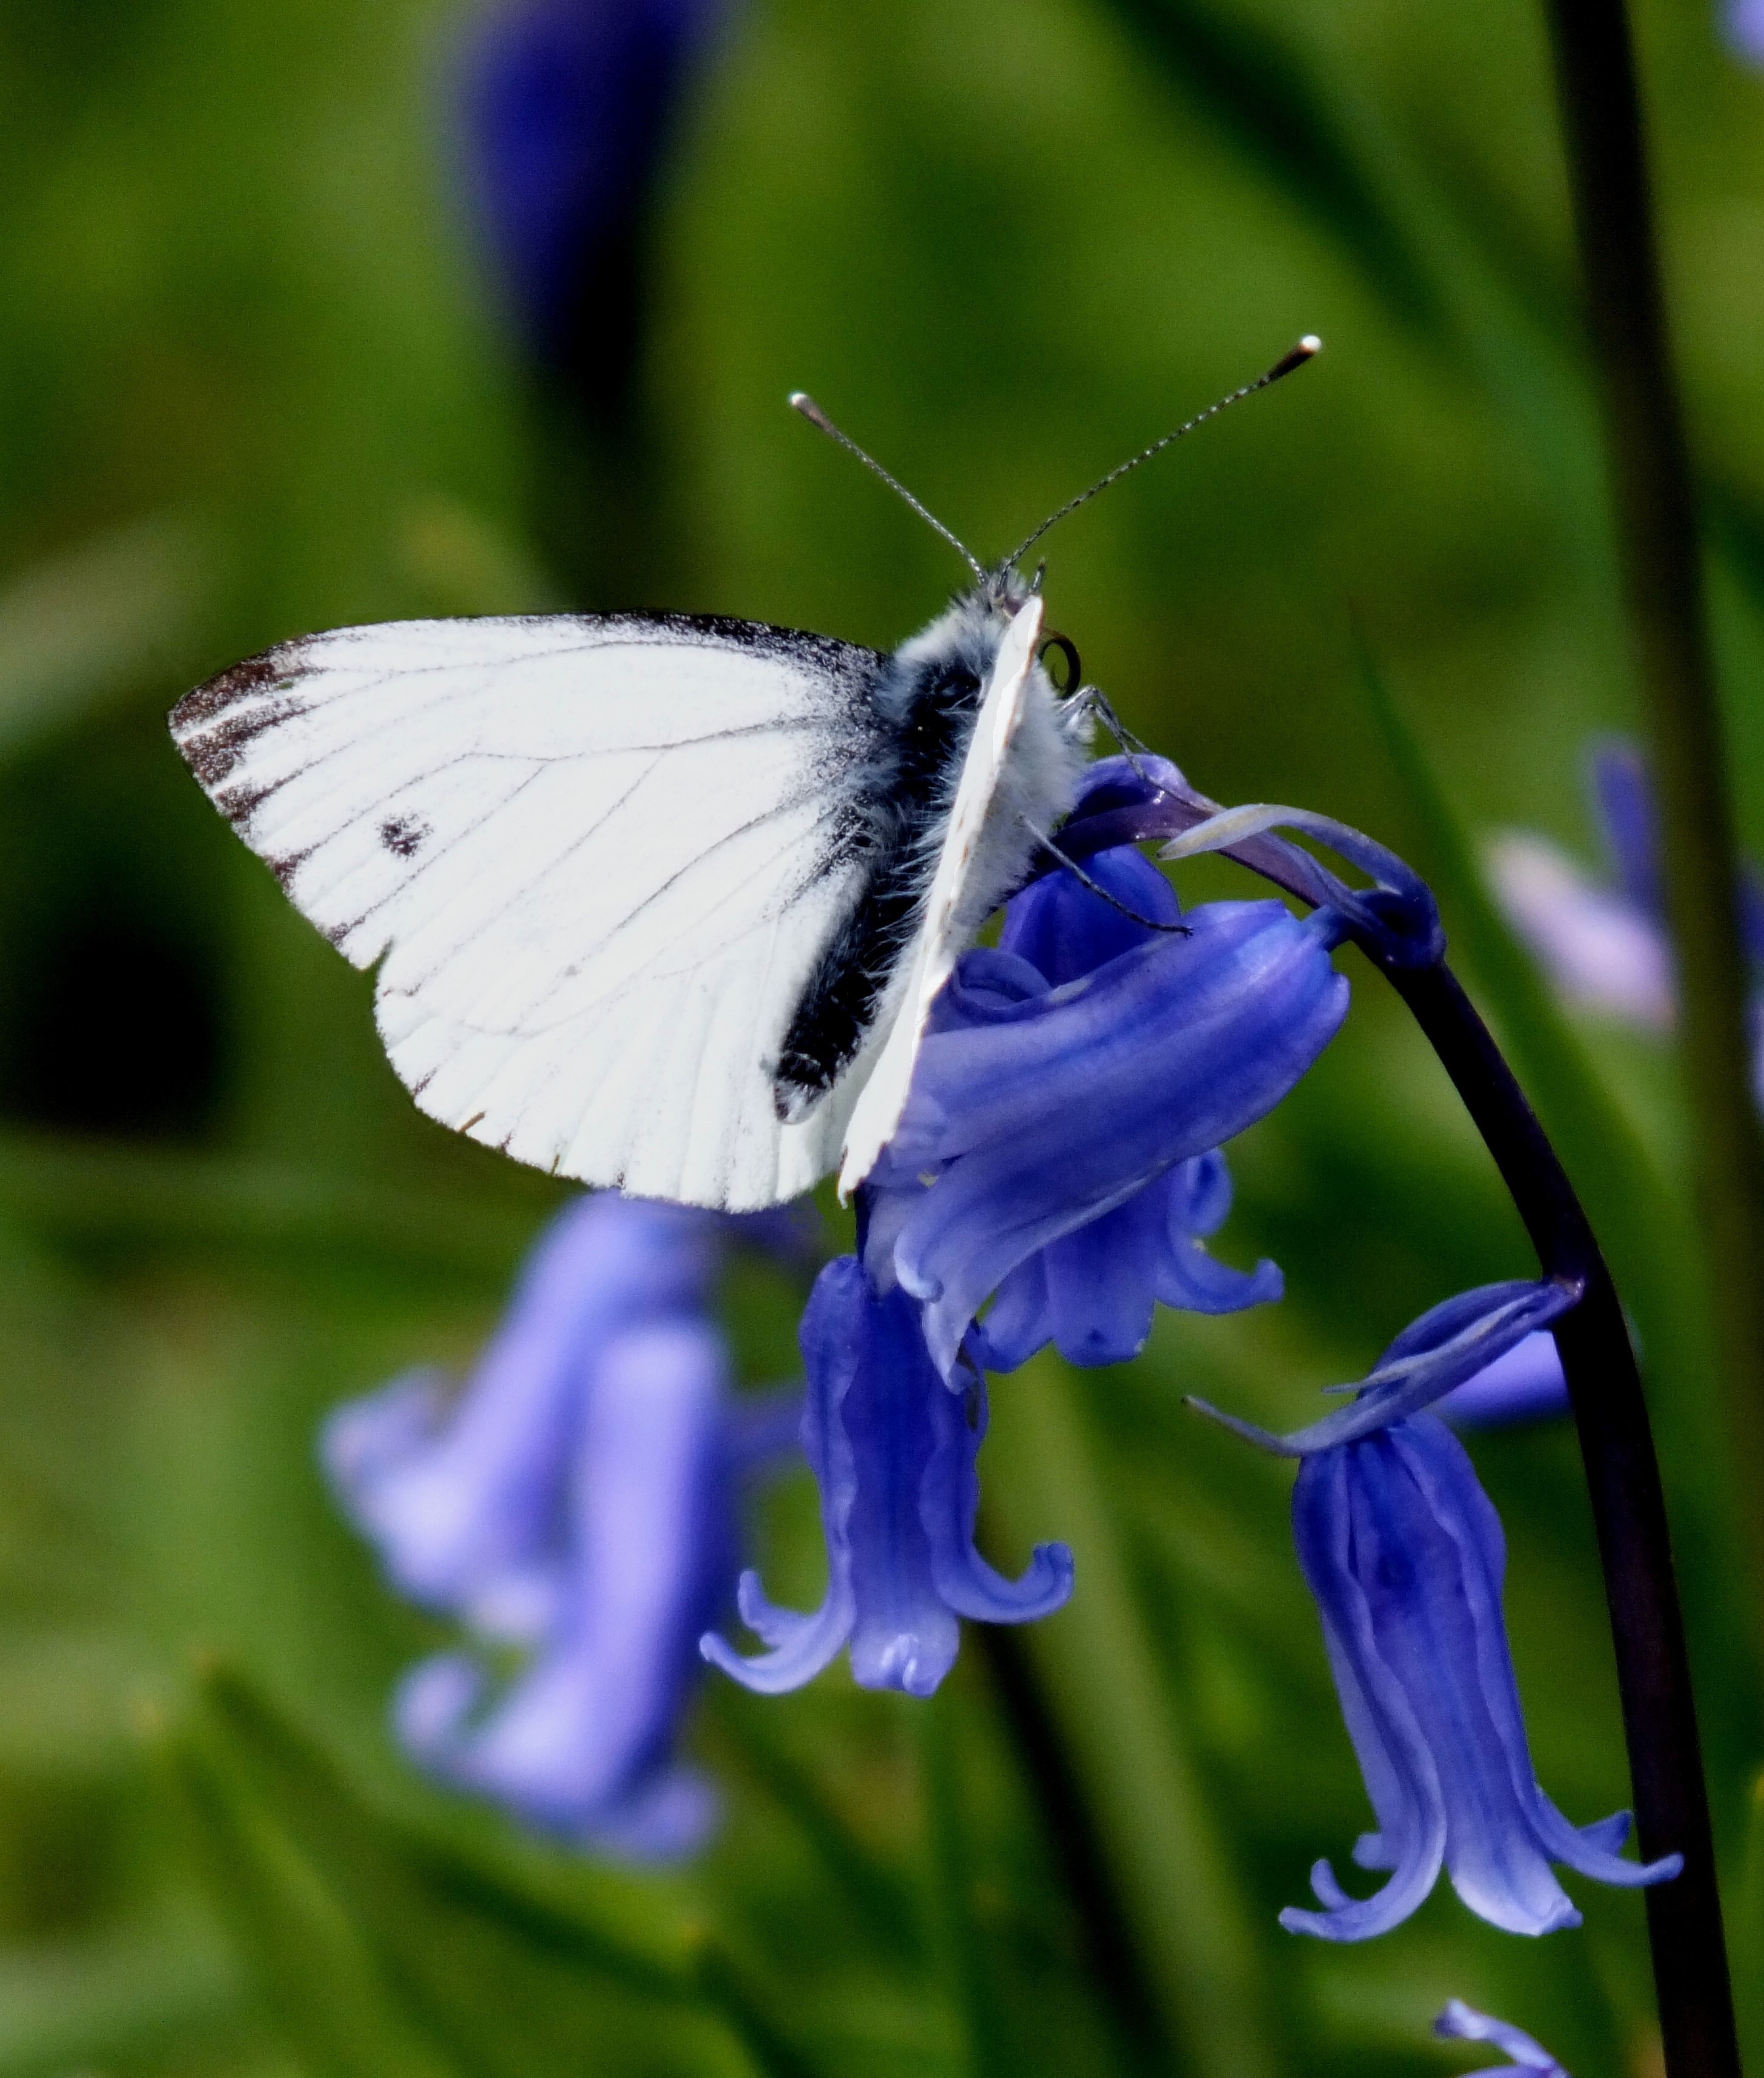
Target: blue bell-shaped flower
point(576, 1501)
point(1405, 1555)
point(894, 1449)
point(1039, 1108)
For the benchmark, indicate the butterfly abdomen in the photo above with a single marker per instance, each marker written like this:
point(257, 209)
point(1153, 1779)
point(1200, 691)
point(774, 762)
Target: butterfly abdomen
point(925, 707)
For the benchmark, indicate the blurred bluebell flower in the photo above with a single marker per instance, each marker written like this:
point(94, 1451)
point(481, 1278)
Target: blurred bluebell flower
point(576, 1500)
point(1606, 943)
point(1525, 1384)
point(1058, 1145)
point(1742, 21)
point(1460, 2022)
point(464, 1497)
point(567, 106)
point(894, 1448)
point(1405, 1555)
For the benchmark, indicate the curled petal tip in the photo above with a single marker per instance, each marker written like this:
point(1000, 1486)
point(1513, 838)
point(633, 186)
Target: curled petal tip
point(1457, 2021)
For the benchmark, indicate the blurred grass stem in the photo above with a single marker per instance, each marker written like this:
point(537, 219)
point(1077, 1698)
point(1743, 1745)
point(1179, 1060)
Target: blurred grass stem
point(958, 1942)
point(1660, 553)
point(1144, 1784)
point(1104, 1927)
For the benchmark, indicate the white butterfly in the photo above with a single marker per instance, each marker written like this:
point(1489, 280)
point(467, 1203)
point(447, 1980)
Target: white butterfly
point(655, 899)
point(658, 901)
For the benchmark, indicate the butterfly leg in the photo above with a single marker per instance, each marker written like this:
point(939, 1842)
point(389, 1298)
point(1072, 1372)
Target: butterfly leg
point(1096, 886)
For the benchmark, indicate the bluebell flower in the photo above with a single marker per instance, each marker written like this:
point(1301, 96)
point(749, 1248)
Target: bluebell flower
point(1606, 942)
point(575, 1501)
point(567, 107)
point(1460, 2022)
point(894, 1449)
point(1742, 24)
point(1058, 1146)
point(464, 1497)
point(1405, 1555)
point(1091, 1291)
point(1526, 1384)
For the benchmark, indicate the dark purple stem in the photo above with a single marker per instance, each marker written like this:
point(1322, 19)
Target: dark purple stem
point(1617, 1446)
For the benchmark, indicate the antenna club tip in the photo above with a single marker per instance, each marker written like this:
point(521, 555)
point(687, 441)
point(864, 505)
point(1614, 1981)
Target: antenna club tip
point(1308, 346)
point(801, 401)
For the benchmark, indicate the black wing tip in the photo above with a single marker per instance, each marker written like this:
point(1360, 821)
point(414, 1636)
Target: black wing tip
point(239, 682)
point(211, 733)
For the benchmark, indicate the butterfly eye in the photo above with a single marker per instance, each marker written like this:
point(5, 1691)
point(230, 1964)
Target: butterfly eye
point(1068, 681)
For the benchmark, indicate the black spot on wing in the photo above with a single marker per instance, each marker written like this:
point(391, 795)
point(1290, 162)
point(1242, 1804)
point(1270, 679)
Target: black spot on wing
point(404, 835)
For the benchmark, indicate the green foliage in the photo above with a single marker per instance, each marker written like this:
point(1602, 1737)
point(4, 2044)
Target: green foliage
point(483, 1971)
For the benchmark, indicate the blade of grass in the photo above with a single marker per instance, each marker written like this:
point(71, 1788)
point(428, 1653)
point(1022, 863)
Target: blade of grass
point(136, 1195)
point(881, 1900)
point(100, 620)
point(1746, 1932)
point(1268, 100)
point(1169, 1868)
point(1110, 1948)
point(312, 1973)
point(960, 1950)
point(749, 2011)
point(510, 1981)
point(1660, 552)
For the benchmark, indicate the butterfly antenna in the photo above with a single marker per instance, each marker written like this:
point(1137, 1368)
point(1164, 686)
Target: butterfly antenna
point(1307, 348)
point(801, 401)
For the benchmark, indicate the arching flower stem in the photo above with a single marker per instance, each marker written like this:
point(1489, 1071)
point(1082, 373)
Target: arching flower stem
point(1605, 1388)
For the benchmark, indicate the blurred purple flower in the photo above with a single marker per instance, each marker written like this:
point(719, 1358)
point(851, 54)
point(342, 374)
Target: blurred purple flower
point(567, 106)
point(577, 1500)
point(1405, 1555)
point(1526, 1384)
point(894, 1448)
point(1606, 943)
point(1601, 950)
point(581, 1743)
point(1742, 21)
point(1460, 2022)
point(1059, 1144)
point(466, 1498)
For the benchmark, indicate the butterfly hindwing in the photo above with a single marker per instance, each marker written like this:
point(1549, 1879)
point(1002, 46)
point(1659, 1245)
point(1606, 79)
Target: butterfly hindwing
point(595, 859)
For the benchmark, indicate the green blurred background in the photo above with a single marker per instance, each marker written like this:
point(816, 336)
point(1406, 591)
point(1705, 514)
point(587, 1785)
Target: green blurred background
point(253, 381)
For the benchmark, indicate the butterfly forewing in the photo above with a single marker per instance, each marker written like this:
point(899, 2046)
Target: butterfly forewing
point(946, 927)
point(596, 858)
